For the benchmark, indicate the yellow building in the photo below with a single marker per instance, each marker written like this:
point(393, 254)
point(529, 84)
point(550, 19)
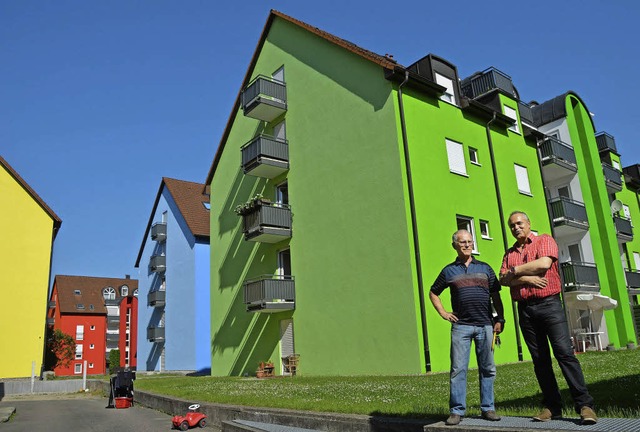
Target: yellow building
point(28, 228)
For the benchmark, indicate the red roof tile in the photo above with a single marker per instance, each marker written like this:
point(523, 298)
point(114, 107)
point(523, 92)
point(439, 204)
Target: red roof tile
point(90, 289)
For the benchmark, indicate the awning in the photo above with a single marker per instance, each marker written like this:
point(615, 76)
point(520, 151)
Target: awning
point(592, 301)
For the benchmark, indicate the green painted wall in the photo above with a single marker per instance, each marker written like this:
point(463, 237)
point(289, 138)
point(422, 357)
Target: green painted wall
point(355, 310)
point(601, 228)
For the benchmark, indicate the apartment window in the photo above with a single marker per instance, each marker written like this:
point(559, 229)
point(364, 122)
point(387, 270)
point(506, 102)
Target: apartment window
point(90, 365)
point(284, 264)
point(512, 114)
point(466, 223)
point(616, 164)
point(124, 290)
point(78, 368)
point(77, 292)
point(206, 205)
point(522, 179)
point(455, 154)
point(109, 293)
point(447, 83)
point(282, 193)
point(91, 307)
point(92, 346)
point(78, 351)
point(92, 327)
point(135, 292)
point(473, 156)
point(484, 229)
point(627, 212)
point(80, 306)
point(79, 332)
point(636, 260)
point(278, 75)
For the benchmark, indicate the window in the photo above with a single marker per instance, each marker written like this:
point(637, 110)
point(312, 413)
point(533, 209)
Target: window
point(284, 264)
point(79, 332)
point(90, 365)
point(636, 260)
point(455, 153)
point(92, 346)
point(522, 179)
point(466, 223)
point(80, 306)
point(78, 368)
point(91, 307)
point(78, 351)
point(616, 164)
point(109, 293)
point(124, 290)
point(280, 131)
point(282, 193)
point(473, 156)
point(484, 230)
point(512, 114)
point(77, 292)
point(564, 191)
point(278, 75)
point(449, 95)
point(575, 255)
point(135, 292)
point(92, 327)
point(206, 205)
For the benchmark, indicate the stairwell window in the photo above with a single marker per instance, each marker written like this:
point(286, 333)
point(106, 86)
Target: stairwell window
point(455, 154)
point(522, 179)
point(512, 114)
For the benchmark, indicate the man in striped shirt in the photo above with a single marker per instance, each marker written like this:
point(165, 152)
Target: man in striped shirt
point(473, 286)
point(530, 269)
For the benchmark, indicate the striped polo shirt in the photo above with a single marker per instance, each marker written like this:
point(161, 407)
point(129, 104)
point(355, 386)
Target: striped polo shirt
point(470, 290)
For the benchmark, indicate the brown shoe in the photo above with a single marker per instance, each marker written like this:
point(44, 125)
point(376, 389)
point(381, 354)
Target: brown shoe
point(453, 420)
point(490, 415)
point(546, 415)
point(588, 416)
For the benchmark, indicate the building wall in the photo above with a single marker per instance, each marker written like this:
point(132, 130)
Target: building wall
point(27, 235)
point(96, 337)
point(128, 331)
point(202, 310)
point(350, 255)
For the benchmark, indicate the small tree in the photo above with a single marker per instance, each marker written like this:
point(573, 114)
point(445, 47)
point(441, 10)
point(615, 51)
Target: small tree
point(61, 349)
point(114, 361)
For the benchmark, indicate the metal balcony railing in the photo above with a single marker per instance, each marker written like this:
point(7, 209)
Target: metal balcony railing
point(156, 298)
point(113, 337)
point(487, 80)
point(632, 176)
point(606, 142)
point(158, 263)
point(579, 276)
point(633, 278)
point(624, 230)
point(264, 98)
point(567, 211)
point(159, 231)
point(52, 304)
point(526, 113)
point(270, 293)
point(267, 223)
point(552, 150)
point(612, 177)
point(51, 321)
point(155, 334)
point(265, 156)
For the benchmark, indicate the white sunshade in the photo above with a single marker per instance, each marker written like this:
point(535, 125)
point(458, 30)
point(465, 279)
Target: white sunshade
point(592, 301)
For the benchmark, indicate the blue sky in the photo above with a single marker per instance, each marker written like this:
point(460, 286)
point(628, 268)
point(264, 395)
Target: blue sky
point(101, 99)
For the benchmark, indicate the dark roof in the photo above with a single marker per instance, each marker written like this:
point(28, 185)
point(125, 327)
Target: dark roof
point(57, 222)
point(90, 292)
point(190, 199)
point(384, 61)
point(554, 109)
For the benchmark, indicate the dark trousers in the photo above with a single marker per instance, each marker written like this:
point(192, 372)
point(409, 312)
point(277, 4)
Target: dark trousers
point(543, 322)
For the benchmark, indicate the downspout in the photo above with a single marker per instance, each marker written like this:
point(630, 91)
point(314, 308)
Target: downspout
point(414, 226)
point(503, 227)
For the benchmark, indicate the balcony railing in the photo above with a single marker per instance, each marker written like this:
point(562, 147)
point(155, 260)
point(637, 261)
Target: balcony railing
point(612, 177)
point(113, 319)
point(568, 215)
point(155, 334)
point(267, 223)
point(624, 229)
point(265, 156)
point(158, 263)
point(633, 279)
point(580, 276)
point(159, 231)
point(51, 321)
point(264, 98)
point(558, 159)
point(52, 304)
point(111, 302)
point(632, 176)
point(526, 113)
point(113, 337)
point(270, 294)
point(487, 80)
point(156, 298)
point(606, 142)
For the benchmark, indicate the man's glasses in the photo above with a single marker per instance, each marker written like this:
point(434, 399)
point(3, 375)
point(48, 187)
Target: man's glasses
point(465, 243)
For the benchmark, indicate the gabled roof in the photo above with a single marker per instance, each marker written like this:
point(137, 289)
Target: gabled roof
point(57, 222)
point(190, 199)
point(90, 293)
point(384, 61)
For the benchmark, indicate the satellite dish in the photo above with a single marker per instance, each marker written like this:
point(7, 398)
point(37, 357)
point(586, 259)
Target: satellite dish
point(616, 206)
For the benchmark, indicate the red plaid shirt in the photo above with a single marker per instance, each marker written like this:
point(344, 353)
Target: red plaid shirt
point(535, 247)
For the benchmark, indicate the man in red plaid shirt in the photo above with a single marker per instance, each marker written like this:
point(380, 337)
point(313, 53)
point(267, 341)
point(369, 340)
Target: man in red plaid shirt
point(530, 270)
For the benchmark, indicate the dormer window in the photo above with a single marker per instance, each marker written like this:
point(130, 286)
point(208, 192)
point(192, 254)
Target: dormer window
point(80, 306)
point(448, 95)
point(77, 292)
point(109, 293)
point(124, 290)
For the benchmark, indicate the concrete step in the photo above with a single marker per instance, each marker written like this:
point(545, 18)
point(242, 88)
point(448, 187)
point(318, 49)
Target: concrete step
point(251, 426)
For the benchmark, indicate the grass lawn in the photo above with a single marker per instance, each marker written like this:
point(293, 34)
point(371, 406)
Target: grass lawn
point(613, 379)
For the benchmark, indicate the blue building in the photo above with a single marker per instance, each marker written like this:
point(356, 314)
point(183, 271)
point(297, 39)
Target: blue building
point(173, 261)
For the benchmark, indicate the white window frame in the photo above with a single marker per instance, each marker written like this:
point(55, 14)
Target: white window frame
point(486, 236)
point(92, 346)
point(90, 365)
point(79, 350)
point(124, 290)
point(92, 327)
point(77, 368)
point(616, 164)
point(512, 114)
point(522, 179)
point(109, 293)
point(449, 95)
point(80, 332)
point(469, 227)
point(455, 156)
point(473, 156)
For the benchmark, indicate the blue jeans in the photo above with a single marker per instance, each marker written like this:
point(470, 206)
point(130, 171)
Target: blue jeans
point(543, 322)
point(461, 337)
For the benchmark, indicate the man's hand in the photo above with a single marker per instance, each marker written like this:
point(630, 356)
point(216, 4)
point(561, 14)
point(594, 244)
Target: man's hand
point(536, 281)
point(449, 316)
point(498, 327)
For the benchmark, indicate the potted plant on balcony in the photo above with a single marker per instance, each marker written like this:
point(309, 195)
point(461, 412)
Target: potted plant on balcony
point(265, 369)
point(251, 205)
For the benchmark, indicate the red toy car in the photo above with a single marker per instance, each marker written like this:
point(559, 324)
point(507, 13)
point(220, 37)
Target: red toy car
point(191, 419)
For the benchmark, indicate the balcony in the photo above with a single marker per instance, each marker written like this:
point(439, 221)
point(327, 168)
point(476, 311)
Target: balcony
point(52, 304)
point(264, 98)
point(613, 178)
point(155, 334)
point(569, 217)
point(113, 337)
point(51, 321)
point(632, 176)
point(159, 232)
point(158, 263)
point(113, 319)
point(526, 114)
point(606, 143)
point(156, 298)
point(580, 277)
point(269, 294)
point(266, 223)
point(265, 157)
point(624, 231)
point(633, 279)
point(558, 160)
point(111, 302)
point(485, 81)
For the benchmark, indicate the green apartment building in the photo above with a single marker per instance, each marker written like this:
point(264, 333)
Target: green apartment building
point(338, 182)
